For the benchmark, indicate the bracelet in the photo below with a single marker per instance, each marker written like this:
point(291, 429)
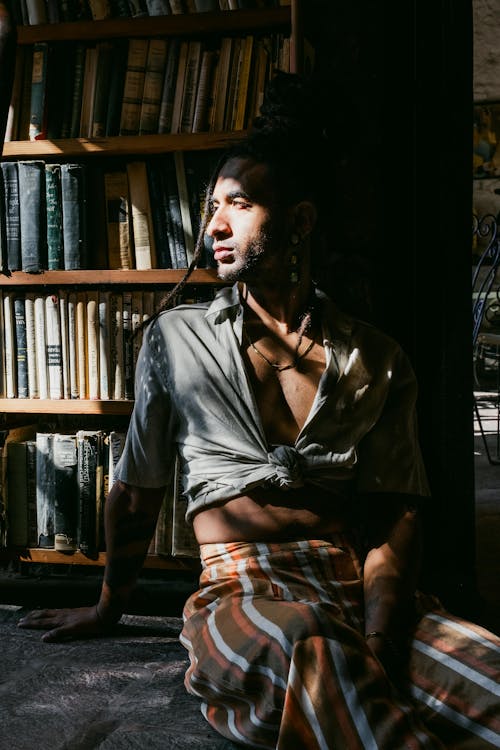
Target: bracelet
point(390, 643)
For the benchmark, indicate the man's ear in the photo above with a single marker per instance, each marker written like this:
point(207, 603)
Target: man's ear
point(304, 218)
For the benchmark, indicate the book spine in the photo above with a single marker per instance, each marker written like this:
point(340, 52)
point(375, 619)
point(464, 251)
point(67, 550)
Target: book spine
point(116, 347)
point(29, 306)
point(93, 344)
point(63, 317)
point(54, 216)
point(74, 211)
point(41, 347)
point(38, 91)
point(158, 7)
point(136, 320)
point(159, 215)
point(21, 347)
point(81, 343)
point(25, 112)
point(32, 540)
point(190, 86)
point(133, 87)
point(54, 348)
point(76, 103)
point(10, 345)
point(87, 465)
point(32, 215)
point(64, 452)
point(101, 96)
point(11, 216)
point(116, 85)
point(12, 126)
point(104, 344)
point(178, 251)
point(72, 347)
point(100, 9)
point(142, 219)
point(116, 195)
point(168, 91)
point(203, 96)
point(116, 442)
point(241, 102)
point(153, 86)
point(179, 87)
point(128, 352)
point(17, 495)
point(184, 203)
point(45, 485)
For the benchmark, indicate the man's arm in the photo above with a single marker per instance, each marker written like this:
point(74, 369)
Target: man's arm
point(130, 517)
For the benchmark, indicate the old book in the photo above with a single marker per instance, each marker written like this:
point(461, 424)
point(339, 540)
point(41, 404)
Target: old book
point(10, 345)
point(74, 214)
point(116, 85)
point(89, 448)
point(65, 458)
point(137, 8)
point(31, 491)
point(128, 351)
point(17, 494)
point(11, 215)
point(92, 317)
point(242, 84)
point(160, 214)
point(116, 441)
point(118, 219)
point(76, 100)
point(148, 304)
point(193, 63)
point(141, 213)
point(21, 346)
point(12, 126)
point(176, 231)
point(63, 317)
point(222, 77)
point(153, 86)
point(29, 307)
point(72, 346)
point(53, 204)
point(184, 204)
point(37, 125)
point(7, 437)
point(104, 344)
point(179, 87)
point(158, 7)
point(204, 91)
point(88, 91)
point(41, 347)
point(81, 344)
point(116, 347)
point(231, 82)
point(169, 84)
point(136, 321)
point(54, 348)
point(32, 215)
point(45, 489)
point(100, 9)
point(104, 52)
point(133, 86)
point(25, 110)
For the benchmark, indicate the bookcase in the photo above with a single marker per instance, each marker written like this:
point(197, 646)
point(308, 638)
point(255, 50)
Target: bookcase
point(94, 149)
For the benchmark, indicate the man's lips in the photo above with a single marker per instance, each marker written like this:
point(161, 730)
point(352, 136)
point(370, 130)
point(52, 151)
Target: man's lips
point(223, 254)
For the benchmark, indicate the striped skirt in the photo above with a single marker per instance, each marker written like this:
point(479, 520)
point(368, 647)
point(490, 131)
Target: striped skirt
point(278, 656)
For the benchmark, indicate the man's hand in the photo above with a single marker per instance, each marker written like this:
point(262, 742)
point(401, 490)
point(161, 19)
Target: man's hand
point(66, 624)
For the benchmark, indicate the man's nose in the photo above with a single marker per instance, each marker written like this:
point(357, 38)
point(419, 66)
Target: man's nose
point(218, 223)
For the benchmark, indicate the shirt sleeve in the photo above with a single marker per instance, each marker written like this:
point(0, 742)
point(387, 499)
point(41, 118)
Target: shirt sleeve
point(389, 456)
point(148, 456)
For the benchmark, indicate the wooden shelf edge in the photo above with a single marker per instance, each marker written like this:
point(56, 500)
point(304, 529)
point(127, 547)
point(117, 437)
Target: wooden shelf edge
point(65, 406)
point(173, 25)
point(37, 555)
point(91, 277)
point(120, 145)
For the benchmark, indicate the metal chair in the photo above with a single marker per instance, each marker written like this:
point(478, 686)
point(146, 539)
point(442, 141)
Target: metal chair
point(485, 231)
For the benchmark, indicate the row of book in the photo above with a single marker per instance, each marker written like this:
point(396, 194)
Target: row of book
point(34, 12)
point(142, 214)
point(141, 86)
point(53, 487)
point(74, 345)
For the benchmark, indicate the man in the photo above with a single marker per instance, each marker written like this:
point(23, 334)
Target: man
point(296, 431)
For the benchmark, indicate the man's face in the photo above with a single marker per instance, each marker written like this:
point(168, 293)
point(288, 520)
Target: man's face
point(242, 224)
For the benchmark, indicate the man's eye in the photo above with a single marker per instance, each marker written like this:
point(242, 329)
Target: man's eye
point(241, 204)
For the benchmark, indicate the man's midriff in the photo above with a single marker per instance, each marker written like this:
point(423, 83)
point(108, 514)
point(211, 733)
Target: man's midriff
point(269, 514)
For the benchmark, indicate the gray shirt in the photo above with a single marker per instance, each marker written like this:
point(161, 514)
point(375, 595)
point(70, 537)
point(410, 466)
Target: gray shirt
point(193, 398)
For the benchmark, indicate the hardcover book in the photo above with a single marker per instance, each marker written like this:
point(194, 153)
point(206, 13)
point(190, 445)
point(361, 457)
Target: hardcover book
point(17, 485)
point(11, 215)
point(21, 347)
point(45, 490)
point(54, 348)
point(64, 454)
point(116, 347)
point(10, 345)
point(55, 251)
point(104, 344)
point(38, 91)
point(153, 86)
point(74, 215)
point(118, 219)
point(89, 478)
point(142, 218)
point(133, 86)
point(41, 347)
point(29, 307)
point(168, 90)
point(32, 215)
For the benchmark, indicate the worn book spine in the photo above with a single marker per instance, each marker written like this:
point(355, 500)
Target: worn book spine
point(88, 92)
point(64, 453)
point(116, 347)
point(153, 86)
point(204, 91)
point(142, 218)
point(104, 344)
point(116, 442)
point(136, 320)
point(3, 387)
point(81, 344)
point(160, 216)
point(45, 486)
point(231, 82)
point(54, 348)
point(117, 201)
point(158, 7)
point(29, 307)
point(92, 316)
point(74, 212)
point(87, 491)
point(12, 218)
point(21, 346)
point(72, 347)
point(223, 67)
point(38, 91)
point(31, 492)
point(101, 95)
point(41, 347)
point(17, 494)
point(184, 204)
point(128, 352)
point(116, 86)
point(63, 317)
point(178, 250)
point(25, 112)
point(54, 216)
point(76, 102)
point(191, 79)
point(168, 91)
point(179, 87)
point(32, 215)
point(242, 85)
point(10, 345)
point(133, 87)
point(12, 126)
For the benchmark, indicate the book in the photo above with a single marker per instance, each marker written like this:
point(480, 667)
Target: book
point(45, 490)
point(137, 8)
point(92, 317)
point(9, 345)
point(231, 82)
point(119, 55)
point(65, 459)
point(74, 215)
point(11, 215)
point(192, 74)
point(38, 91)
point(21, 361)
point(136, 321)
point(153, 86)
point(204, 91)
point(169, 84)
point(88, 91)
point(53, 205)
point(128, 351)
point(158, 7)
point(100, 9)
point(58, 89)
point(32, 215)
point(141, 213)
point(74, 387)
point(133, 86)
point(41, 347)
point(116, 347)
point(221, 85)
point(13, 117)
point(174, 218)
point(25, 108)
point(242, 85)
point(63, 317)
point(81, 344)
point(89, 459)
point(184, 204)
point(17, 494)
point(9, 436)
point(179, 87)
point(104, 53)
point(205, 6)
point(116, 443)
point(160, 214)
point(31, 491)
point(76, 100)
point(104, 344)
point(118, 219)
point(29, 309)
point(53, 346)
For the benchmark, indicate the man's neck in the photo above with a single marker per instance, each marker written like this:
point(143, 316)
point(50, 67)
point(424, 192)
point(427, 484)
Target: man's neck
point(281, 309)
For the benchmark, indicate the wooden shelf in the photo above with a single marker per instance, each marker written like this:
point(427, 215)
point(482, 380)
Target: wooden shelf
point(64, 406)
point(151, 277)
point(194, 24)
point(37, 555)
point(119, 145)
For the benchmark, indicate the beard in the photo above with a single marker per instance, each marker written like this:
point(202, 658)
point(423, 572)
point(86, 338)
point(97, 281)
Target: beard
point(251, 263)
